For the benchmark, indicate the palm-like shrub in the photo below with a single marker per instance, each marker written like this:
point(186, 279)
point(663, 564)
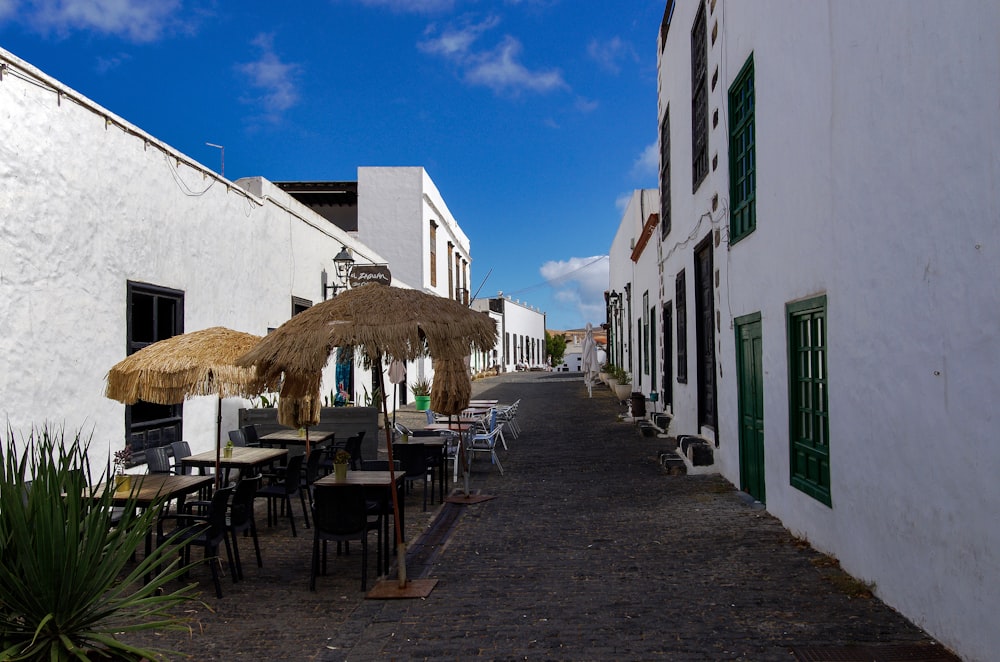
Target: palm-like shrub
point(66, 586)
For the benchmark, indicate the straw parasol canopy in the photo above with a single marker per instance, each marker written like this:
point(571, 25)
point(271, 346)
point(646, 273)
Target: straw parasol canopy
point(377, 320)
point(381, 322)
point(182, 366)
point(186, 365)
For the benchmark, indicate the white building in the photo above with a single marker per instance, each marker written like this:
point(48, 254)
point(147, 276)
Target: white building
point(828, 264)
point(112, 239)
point(521, 334)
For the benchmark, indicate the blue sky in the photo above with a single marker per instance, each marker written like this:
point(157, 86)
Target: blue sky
point(535, 118)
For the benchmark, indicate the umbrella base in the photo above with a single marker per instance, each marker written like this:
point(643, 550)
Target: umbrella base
point(389, 589)
point(463, 498)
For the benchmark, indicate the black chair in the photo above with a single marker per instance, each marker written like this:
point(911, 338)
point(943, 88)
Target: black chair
point(237, 437)
point(180, 450)
point(240, 518)
point(206, 531)
point(340, 513)
point(353, 446)
point(157, 461)
point(312, 471)
point(250, 435)
point(285, 486)
point(412, 458)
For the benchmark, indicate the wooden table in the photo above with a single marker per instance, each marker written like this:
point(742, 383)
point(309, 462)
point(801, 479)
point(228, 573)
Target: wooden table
point(285, 437)
point(378, 485)
point(148, 489)
point(245, 458)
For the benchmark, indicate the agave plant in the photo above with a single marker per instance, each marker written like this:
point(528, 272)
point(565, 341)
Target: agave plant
point(68, 583)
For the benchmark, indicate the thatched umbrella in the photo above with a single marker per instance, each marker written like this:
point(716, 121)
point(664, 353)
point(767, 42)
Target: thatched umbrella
point(380, 322)
point(196, 363)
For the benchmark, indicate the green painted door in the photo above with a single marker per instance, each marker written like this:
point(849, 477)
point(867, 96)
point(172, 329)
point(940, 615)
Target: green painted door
point(751, 405)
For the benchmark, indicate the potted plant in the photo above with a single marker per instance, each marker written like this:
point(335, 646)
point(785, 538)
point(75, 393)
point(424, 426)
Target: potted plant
point(422, 394)
point(341, 459)
point(123, 482)
point(623, 389)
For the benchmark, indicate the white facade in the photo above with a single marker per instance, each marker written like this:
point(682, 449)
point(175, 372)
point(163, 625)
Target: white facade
point(521, 333)
point(877, 147)
point(91, 203)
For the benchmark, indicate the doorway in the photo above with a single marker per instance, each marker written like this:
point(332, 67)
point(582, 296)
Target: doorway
point(750, 376)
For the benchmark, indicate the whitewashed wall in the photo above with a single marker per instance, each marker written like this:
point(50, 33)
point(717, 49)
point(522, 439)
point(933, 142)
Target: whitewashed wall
point(878, 148)
point(90, 202)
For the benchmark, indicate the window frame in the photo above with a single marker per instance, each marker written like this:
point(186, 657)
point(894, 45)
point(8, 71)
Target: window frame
point(680, 317)
point(742, 154)
point(809, 458)
point(665, 199)
point(699, 98)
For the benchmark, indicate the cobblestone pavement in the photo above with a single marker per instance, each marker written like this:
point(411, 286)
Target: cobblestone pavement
point(589, 551)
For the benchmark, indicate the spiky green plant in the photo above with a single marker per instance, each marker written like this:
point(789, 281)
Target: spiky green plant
point(68, 582)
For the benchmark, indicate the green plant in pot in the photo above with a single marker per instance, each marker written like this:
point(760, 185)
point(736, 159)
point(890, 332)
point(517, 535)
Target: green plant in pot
point(422, 394)
point(69, 587)
point(341, 460)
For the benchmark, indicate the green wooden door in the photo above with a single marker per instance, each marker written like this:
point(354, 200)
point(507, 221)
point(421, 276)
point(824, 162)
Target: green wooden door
point(751, 405)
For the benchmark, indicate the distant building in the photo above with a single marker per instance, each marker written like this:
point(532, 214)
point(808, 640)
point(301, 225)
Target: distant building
point(521, 343)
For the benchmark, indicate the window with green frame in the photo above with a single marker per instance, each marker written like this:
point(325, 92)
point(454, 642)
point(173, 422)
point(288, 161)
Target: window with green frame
point(742, 155)
point(809, 424)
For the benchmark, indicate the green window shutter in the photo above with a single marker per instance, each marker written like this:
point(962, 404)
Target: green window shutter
point(809, 423)
point(742, 155)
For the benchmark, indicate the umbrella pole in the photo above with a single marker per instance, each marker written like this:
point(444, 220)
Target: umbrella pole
point(218, 441)
point(400, 545)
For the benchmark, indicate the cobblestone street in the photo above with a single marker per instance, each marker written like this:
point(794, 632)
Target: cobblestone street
point(589, 551)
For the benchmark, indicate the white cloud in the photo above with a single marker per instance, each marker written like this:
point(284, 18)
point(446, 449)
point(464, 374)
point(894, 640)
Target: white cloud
point(455, 43)
point(579, 283)
point(7, 8)
point(135, 20)
point(585, 105)
point(107, 63)
point(411, 6)
point(609, 54)
point(273, 78)
point(499, 69)
point(648, 163)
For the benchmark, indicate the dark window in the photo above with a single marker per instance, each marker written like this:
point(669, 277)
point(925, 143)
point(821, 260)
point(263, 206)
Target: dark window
point(704, 307)
point(451, 272)
point(742, 155)
point(668, 15)
point(680, 302)
point(299, 304)
point(433, 242)
point(809, 424)
point(665, 175)
point(699, 99)
point(153, 313)
point(666, 385)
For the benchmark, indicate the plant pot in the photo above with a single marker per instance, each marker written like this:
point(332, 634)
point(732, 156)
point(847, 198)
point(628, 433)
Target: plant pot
point(423, 402)
point(123, 483)
point(227, 451)
point(623, 391)
point(340, 472)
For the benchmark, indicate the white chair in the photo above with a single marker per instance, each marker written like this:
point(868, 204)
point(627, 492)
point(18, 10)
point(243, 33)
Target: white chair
point(486, 442)
point(508, 416)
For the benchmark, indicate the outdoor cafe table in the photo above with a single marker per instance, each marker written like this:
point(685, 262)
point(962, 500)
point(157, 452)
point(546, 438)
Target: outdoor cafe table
point(285, 437)
point(247, 459)
point(377, 486)
point(148, 489)
point(483, 403)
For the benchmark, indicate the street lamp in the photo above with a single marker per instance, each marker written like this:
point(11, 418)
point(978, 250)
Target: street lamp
point(342, 264)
